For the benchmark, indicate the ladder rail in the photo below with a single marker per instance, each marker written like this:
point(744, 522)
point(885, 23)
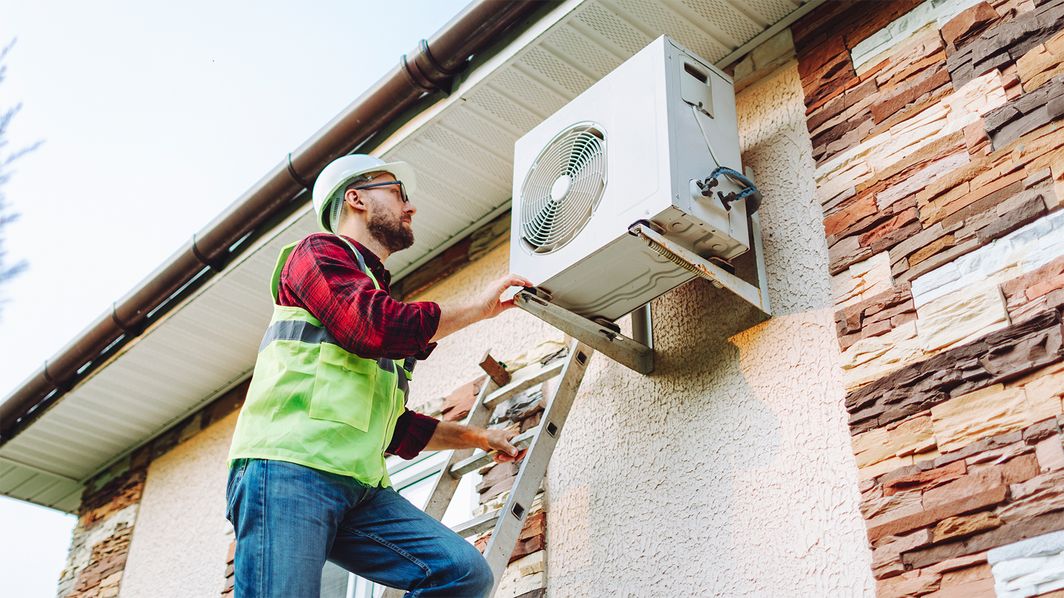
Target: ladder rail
point(446, 484)
point(506, 523)
point(534, 466)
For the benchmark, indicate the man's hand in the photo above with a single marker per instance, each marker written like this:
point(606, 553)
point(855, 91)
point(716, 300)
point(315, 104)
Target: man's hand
point(486, 304)
point(499, 440)
point(451, 435)
point(490, 300)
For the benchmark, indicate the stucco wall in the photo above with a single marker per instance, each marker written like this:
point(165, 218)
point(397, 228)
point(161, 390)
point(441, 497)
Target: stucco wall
point(729, 470)
point(181, 536)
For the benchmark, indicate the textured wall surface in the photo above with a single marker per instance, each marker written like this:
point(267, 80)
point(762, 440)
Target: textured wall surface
point(181, 537)
point(729, 470)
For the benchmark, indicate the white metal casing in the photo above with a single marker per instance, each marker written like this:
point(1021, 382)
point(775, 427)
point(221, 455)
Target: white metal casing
point(654, 151)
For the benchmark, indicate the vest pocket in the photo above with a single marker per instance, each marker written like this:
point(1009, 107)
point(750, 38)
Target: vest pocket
point(343, 388)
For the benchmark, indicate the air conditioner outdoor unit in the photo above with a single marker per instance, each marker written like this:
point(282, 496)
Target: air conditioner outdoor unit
point(635, 147)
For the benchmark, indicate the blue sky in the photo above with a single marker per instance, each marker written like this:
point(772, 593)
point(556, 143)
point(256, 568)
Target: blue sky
point(155, 117)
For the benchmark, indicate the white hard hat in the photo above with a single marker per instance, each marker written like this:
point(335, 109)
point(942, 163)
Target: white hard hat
point(344, 170)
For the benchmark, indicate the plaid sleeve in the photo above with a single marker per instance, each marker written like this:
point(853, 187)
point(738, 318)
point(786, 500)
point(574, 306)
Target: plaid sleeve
point(412, 433)
point(322, 276)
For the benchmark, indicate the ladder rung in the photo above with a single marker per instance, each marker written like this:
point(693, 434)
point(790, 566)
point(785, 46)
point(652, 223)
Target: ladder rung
point(523, 384)
point(480, 459)
point(477, 525)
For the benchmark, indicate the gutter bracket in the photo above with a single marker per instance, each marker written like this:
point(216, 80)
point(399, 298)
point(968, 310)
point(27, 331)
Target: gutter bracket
point(295, 175)
point(432, 76)
point(215, 265)
point(126, 330)
point(416, 76)
point(61, 385)
point(423, 45)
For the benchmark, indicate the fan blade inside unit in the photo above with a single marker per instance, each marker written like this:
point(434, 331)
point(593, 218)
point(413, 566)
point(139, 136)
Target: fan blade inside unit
point(582, 151)
point(541, 229)
point(542, 224)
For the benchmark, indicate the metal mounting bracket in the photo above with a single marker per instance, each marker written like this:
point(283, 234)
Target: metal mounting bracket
point(756, 295)
point(611, 343)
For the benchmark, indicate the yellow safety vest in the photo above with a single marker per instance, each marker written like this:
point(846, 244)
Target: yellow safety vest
point(314, 403)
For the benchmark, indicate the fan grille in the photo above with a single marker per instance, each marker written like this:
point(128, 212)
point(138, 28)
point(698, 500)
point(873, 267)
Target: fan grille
point(563, 188)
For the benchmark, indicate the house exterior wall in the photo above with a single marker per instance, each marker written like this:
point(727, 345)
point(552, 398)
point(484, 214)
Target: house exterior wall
point(939, 145)
point(181, 535)
point(730, 466)
point(894, 429)
point(113, 506)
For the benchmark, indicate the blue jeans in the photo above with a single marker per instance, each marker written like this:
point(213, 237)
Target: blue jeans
point(289, 519)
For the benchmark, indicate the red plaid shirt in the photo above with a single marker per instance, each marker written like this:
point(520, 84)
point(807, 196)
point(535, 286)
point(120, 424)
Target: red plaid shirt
point(322, 276)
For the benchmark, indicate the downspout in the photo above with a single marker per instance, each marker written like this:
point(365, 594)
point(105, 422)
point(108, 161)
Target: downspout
point(428, 69)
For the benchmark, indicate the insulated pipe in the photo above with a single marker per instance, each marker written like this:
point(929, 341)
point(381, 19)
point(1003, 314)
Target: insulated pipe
point(430, 68)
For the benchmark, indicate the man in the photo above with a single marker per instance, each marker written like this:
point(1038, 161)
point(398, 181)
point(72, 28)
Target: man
point(307, 478)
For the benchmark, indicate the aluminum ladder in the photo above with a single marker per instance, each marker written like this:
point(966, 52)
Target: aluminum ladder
point(506, 523)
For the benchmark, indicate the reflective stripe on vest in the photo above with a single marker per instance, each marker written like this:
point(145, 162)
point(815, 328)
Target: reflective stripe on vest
point(305, 332)
point(313, 402)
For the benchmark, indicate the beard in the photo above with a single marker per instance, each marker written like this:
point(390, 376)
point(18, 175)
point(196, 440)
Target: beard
point(390, 232)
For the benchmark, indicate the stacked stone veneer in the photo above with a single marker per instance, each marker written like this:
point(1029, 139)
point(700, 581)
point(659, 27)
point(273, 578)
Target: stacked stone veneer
point(109, 507)
point(101, 539)
point(937, 131)
point(230, 571)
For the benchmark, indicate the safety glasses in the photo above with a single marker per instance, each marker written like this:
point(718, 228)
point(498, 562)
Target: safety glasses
point(402, 189)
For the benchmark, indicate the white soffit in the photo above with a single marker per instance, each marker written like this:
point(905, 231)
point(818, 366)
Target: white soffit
point(202, 348)
point(462, 149)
